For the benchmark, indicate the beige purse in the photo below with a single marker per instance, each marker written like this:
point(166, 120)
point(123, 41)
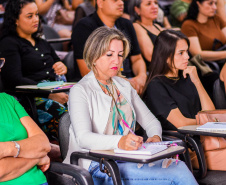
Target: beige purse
point(209, 142)
point(213, 146)
point(200, 64)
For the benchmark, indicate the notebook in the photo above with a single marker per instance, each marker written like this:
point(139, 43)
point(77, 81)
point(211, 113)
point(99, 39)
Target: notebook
point(165, 142)
point(51, 86)
point(150, 150)
point(213, 126)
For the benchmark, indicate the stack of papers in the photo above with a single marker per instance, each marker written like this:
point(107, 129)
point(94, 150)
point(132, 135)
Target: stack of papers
point(150, 150)
point(213, 126)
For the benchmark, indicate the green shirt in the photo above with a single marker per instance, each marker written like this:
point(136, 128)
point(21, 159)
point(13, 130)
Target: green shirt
point(12, 130)
point(177, 8)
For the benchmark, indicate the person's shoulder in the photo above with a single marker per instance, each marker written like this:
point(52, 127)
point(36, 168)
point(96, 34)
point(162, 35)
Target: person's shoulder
point(7, 97)
point(139, 29)
point(85, 83)
point(9, 40)
point(175, 4)
point(181, 3)
point(188, 22)
point(84, 28)
point(156, 82)
point(217, 18)
point(122, 81)
point(189, 25)
point(157, 79)
point(124, 22)
point(88, 21)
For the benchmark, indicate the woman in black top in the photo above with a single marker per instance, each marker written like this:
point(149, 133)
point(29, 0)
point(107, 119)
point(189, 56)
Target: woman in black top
point(30, 59)
point(173, 90)
point(144, 13)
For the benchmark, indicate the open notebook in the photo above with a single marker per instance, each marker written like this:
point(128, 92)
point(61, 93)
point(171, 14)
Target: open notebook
point(150, 150)
point(213, 126)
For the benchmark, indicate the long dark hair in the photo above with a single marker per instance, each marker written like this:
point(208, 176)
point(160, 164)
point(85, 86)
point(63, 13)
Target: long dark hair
point(12, 12)
point(164, 49)
point(193, 10)
point(131, 9)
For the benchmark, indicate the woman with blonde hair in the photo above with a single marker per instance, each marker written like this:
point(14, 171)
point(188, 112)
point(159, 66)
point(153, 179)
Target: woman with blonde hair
point(101, 106)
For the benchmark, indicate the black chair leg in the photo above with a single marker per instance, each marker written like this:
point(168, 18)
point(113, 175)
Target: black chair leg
point(196, 144)
point(186, 156)
point(111, 166)
point(113, 170)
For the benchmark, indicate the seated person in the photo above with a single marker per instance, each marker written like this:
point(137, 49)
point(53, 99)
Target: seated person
point(30, 60)
point(178, 12)
point(84, 9)
point(103, 105)
point(174, 92)
point(145, 27)
point(23, 146)
point(162, 19)
point(48, 10)
point(202, 20)
point(109, 13)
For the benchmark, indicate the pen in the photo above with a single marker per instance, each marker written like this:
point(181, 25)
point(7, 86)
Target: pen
point(130, 130)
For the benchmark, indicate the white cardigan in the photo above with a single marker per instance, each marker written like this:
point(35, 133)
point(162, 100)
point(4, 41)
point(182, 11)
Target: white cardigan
point(89, 109)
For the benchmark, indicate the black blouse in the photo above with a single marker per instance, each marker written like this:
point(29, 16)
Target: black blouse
point(163, 94)
point(153, 38)
point(26, 64)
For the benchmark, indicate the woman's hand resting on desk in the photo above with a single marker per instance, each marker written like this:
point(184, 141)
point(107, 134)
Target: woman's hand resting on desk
point(192, 71)
point(155, 138)
point(60, 68)
point(59, 97)
point(130, 142)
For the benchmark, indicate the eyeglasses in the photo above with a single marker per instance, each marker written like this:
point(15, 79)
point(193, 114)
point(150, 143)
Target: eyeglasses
point(2, 62)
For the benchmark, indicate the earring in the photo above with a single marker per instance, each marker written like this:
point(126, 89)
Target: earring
point(94, 64)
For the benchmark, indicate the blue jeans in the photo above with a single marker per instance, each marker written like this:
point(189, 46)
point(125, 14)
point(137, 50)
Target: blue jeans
point(132, 175)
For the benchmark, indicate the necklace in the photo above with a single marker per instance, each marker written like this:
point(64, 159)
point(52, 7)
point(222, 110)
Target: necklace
point(115, 102)
point(109, 90)
point(173, 78)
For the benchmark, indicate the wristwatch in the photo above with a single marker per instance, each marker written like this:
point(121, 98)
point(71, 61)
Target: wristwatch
point(18, 148)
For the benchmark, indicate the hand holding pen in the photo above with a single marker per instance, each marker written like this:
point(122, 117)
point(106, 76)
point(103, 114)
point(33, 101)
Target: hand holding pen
point(130, 142)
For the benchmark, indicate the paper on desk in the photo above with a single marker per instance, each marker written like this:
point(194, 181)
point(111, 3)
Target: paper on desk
point(47, 84)
point(47, 87)
point(150, 150)
point(213, 126)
